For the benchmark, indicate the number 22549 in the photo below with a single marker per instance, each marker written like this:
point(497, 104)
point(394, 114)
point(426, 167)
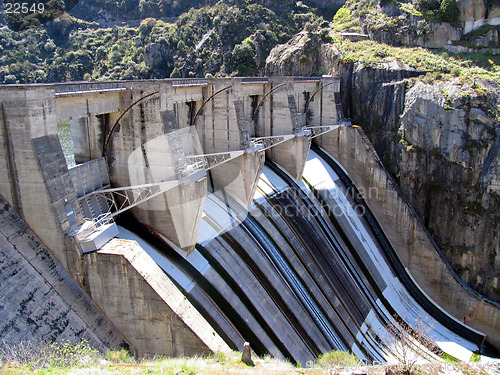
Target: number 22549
point(19, 8)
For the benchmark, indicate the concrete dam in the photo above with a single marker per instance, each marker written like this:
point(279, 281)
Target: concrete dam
point(205, 213)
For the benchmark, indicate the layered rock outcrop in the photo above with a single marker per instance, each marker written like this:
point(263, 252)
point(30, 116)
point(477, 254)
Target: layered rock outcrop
point(477, 28)
point(476, 13)
point(304, 55)
point(441, 141)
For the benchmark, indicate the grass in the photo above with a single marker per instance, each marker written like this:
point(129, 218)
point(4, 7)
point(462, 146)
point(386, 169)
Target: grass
point(81, 359)
point(337, 358)
point(449, 359)
point(440, 64)
point(410, 8)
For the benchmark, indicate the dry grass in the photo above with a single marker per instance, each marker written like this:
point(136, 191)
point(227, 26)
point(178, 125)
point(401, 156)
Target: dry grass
point(81, 361)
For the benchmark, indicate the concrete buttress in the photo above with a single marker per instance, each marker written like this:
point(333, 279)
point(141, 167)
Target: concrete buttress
point(138, 296)
point(292, 154)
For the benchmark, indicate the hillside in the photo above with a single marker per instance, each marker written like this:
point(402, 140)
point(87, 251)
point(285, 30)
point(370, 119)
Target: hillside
point(227, 38)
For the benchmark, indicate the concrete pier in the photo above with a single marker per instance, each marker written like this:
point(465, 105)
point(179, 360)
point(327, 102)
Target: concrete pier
point(292, 154)
point(37, 182)
point(143, 302)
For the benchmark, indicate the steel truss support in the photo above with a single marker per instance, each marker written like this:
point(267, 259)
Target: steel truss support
point(268, 142)
point(320, 130)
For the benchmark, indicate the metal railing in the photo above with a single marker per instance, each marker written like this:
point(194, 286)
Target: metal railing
point(323, 129)
point(85, 87)
point(255, 80)
point(306, 79)
point(271, 141)
point(209, 161)
point(190, 82)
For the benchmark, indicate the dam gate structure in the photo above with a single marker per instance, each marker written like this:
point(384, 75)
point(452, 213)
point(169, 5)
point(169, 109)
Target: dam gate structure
point(174, 219)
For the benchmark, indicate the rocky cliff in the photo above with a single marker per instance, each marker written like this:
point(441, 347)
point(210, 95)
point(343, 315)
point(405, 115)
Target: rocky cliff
point(304, 55)
point(475, 28)
point(441, 141)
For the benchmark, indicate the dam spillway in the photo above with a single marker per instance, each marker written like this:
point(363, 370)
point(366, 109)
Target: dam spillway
point(231, 228)
point(300, 273)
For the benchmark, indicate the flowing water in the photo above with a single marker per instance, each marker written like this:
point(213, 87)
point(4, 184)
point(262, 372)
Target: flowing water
point(299, 272)
point(64, 133)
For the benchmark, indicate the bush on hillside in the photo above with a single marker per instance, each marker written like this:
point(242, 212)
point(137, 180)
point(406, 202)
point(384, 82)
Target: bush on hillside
point(449, 11)
point(426, 5)
point(343, 15)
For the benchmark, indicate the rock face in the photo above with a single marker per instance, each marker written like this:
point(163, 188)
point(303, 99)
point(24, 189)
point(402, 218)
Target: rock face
point(476, 13)
point(441, 142)
point(381, 86)
point(406, 29)
point(303, 55)
point(472, 10)
point(478, 27)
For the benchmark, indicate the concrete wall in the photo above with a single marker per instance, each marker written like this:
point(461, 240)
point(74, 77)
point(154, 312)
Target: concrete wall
point(40, 301)
point(352, 149)
point(142, 301)
point(31, 159)
point(38, 183)
point(82, 104)
point(143, 149)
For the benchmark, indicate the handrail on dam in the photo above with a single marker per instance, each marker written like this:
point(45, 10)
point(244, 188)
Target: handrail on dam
point(271, 141)
point(84, 87)
point(190, 82)
point(65, 89)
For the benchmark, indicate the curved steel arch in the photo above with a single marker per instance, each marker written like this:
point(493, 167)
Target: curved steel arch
point(108, 137)
point(314, 93)
point(256, 110)
point(206, 101)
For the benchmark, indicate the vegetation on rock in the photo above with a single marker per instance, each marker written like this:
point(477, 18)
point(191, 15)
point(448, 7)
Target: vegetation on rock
point(221, 40)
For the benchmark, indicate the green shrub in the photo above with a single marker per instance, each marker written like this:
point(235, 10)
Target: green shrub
point(220, 357)
point(337, 358)
point(243, 56)
point(475, 357)
point(40, 355)
point(426, 5)
point(119, 356)
point(448, 358)
point(10, 78)
point(175, 73)
point(342, 16)
point(449, 11)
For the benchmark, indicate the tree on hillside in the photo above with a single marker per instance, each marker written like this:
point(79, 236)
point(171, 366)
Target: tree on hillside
point(243, 56)
point(449, 11)
point(426, 5)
